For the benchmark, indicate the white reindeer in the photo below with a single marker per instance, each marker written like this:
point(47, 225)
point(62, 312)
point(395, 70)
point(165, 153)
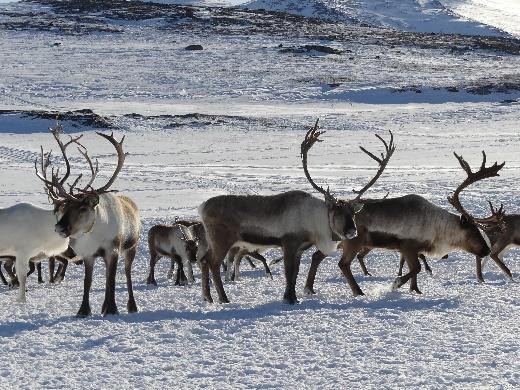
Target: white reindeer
point(99, 223)
point(27, 231)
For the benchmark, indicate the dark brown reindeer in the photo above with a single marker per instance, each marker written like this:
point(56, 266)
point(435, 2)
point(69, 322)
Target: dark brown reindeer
point(503, 231)
point(293, 220)
point(99, 223)
point(502, 239)
point(413, 226)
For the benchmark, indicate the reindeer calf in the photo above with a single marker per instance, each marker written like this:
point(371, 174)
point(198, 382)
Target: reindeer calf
point(176, 242)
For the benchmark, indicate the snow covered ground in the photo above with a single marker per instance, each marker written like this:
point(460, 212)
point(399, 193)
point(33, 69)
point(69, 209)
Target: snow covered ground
point(229, 119)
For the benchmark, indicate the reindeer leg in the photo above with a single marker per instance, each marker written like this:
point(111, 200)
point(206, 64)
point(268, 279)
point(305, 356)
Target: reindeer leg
point(251, 264)
point(52, 267)
point(22, 263)
point(2, 277)
point(8, 266)
point(317, 258)
point(60, 273)
point(217, 281)
point(401, 265)
point(496, 251)
point(262, 259)
point(109, 305)
point(229, 262)
point(180, 278)
point(189, 272)
point(478, 269)
point(172, 269)
point(129, 256)
point(414, 267)
point(349, 252)
point(292, 258)
point(361, 258)
point(204, 277)
point(426, 265)
point(276, 261)
point(39, 269)
point(84, 310)
point(31, 268)
point(236, 266)
point(154, 256)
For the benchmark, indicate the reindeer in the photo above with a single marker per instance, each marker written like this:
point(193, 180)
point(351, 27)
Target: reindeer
point(27, 231)
point(177, 242)
point(98, 222)
point(502, 237)
point(414, 226)
point(292, 220)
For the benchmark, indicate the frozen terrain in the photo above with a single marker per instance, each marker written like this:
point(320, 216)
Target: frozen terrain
point(230, 119)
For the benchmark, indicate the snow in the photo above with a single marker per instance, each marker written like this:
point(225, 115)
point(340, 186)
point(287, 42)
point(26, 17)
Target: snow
point(503, 14)
point(230, 119)
point(406, 15)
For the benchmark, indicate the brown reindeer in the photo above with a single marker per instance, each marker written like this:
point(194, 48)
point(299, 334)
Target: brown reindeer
point(293, 220)
point(502, 237)
point(99, 223)
point(176, 242)
point(413, 226)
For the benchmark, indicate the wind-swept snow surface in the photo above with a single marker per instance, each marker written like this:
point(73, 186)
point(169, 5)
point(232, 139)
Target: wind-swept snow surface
point(229, 119)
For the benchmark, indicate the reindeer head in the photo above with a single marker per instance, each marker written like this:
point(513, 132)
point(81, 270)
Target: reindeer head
point(342, 212)
point(474, 241)
point(75, 209)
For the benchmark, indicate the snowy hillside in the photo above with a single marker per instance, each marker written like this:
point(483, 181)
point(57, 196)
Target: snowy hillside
point(229, 119)
point(405, 15)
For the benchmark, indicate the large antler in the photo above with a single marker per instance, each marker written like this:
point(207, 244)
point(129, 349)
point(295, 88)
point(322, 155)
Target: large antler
point(483, 173)
point(383, 161)
point(55, 186)
point(311, 138)
point(120, 160)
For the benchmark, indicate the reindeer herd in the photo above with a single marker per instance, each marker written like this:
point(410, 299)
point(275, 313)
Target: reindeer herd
point(87, 222)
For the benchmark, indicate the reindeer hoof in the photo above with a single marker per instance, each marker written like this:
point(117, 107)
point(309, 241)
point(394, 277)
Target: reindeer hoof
point(309, 291)
point(416, 290)
point(110, 310)
point(396, 284)
point(131, 307)
point(151, 281)
point(358, 293)
point(368, 274)
point(290, 299)
point(84, 312)
point(208, 299)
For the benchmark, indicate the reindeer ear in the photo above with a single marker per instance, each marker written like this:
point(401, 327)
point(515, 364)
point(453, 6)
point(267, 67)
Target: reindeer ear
point(357, 207)
point(92, 200)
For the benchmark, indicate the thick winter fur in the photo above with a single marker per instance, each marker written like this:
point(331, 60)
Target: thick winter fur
point(27, 231)
point(176, 242)
point(501, 242)
point(412, 225)
point(102, 226)
point(292, 220)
